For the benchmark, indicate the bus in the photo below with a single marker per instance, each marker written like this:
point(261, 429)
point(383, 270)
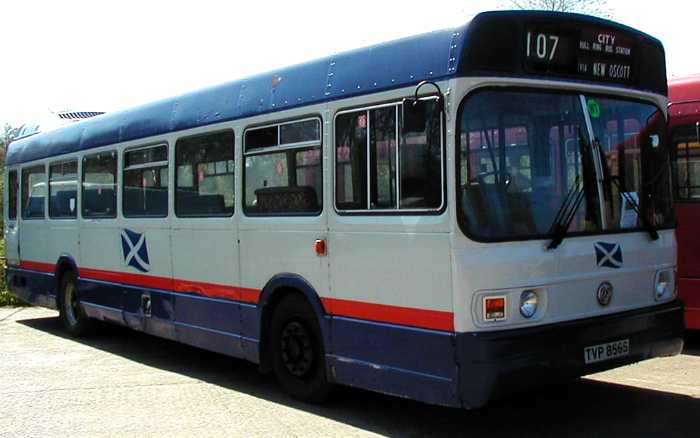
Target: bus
point(684, 130)
point(451, 217)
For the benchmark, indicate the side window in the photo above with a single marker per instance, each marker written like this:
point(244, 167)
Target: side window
point(63, 190)
point(283, 172)
point(380, 166)
point(686, 143)
point(146, 182)
point(12, 195)
point(33, 192)
point(205, 175)
point(99, 191)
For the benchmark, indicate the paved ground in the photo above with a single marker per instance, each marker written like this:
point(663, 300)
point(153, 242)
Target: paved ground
point(125, 383)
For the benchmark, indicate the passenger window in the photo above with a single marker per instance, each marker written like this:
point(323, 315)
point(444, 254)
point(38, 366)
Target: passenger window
point(12, 195)
point(205, 175)
point(146, 182)
point(405, 169)
point(283, 172)
point(686, 142)
point(99, 199)
point(63, 190)
point(33, 192)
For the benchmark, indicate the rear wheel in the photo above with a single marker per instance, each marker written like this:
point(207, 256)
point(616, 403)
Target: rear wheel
point(72, 315)
point(296, 349)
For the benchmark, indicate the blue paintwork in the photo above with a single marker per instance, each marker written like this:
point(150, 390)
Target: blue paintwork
point(32, 287)
point(404, 361)
point(401, 63)
point(392, 359)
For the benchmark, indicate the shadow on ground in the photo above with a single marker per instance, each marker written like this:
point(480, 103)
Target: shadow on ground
point(692, 343)
point(582, 408)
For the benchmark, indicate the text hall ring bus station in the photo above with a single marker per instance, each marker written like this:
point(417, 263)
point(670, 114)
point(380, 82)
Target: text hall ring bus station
point(449, 217)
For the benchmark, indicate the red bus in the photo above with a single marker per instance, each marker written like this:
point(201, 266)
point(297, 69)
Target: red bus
point(684, 129)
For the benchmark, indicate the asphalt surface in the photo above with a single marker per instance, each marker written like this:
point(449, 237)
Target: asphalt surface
point(119, 382)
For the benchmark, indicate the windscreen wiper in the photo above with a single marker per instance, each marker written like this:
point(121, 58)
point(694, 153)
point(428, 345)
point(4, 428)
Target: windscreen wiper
point(566, 214)
point(651, 229)
point(572, 201)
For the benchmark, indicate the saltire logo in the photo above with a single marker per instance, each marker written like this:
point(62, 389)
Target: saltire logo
point(608, 255)
point(135, 250)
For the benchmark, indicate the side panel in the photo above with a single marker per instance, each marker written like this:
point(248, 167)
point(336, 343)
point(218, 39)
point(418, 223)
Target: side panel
point(205, 262)
point(31, 285)
point(688, 216)
point(202, 322)
point(396, 360)
point(270, 246)
point(62, 240)
point(33, 241)
point(689, 293)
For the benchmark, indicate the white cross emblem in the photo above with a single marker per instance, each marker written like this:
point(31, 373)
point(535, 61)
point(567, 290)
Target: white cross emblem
point(608, 255)
point(135, 250)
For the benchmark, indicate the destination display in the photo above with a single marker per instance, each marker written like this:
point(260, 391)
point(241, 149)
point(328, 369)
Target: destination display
point(592, 54)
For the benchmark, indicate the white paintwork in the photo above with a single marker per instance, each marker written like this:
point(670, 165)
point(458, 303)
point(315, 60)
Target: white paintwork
point(417, 261)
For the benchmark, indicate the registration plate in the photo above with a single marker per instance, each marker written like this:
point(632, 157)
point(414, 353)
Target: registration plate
point(611, 350)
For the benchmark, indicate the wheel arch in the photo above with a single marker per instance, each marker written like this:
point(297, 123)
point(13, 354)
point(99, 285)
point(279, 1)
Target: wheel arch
point(277, 287)
point(65, 263)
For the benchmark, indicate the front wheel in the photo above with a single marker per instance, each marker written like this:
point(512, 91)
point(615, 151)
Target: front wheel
point(296, 349)
point(72, 315)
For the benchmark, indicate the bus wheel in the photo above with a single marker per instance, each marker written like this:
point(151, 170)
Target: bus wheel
point(296, 349)
point(74, 319)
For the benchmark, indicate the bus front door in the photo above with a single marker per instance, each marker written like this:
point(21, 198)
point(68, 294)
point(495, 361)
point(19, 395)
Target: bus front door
point(11, 220)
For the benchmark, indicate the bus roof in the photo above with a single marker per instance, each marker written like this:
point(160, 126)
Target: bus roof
point(485, 46)
point(684, 99)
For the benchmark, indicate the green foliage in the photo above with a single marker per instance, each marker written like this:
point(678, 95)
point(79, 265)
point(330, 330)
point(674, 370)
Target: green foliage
point(599, 8)
point(6, 298)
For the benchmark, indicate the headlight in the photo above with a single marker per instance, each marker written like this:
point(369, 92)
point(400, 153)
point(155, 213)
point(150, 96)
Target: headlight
point(528, 303)
point(663, 285)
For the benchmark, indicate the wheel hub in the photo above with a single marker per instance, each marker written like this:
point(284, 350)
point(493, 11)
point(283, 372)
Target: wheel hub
point(297, 349)
point(72, 304)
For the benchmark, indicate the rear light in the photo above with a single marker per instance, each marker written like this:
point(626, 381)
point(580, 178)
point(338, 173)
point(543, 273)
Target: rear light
point(494, 308)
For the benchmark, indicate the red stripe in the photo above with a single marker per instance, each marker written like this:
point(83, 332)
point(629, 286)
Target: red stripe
point(199, 287)
point(128, 278)
point(218, 290)
point(430, 319)
point(37, 266)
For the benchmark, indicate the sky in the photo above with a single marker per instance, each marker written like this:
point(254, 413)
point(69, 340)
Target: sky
point(109, 55)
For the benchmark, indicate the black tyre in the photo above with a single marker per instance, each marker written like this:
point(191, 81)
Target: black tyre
point(72, 315)
point(297, 352)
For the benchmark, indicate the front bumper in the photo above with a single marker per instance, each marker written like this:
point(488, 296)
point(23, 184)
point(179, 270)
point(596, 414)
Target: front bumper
point(494, 364)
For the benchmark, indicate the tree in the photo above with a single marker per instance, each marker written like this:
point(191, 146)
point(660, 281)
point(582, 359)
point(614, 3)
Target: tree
point(590, 7)
point(7, 135)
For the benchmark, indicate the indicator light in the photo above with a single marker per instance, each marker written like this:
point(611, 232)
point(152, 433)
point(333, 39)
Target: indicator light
point(494, 308)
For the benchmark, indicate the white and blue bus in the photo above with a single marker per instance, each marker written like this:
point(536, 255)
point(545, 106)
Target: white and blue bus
point(450, 217)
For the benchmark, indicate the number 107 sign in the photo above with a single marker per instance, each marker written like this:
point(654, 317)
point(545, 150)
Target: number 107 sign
point(541, 46)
